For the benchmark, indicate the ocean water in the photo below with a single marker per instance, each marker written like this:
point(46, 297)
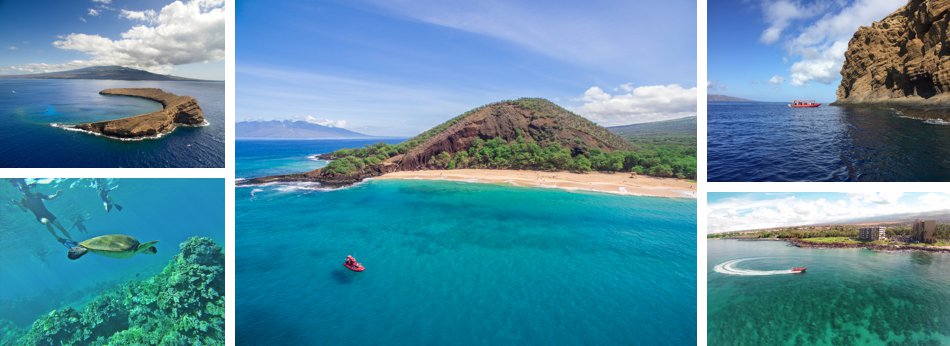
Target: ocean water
point(37, 277)
point(463, 264)
point(772, 142)
point(28, 107)
point(847, 296)
point(258, 158)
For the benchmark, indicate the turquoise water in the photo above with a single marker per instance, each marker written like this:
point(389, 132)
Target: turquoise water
point(258, 158)
point(847, 296)
point(28, 107)
point(35, 274)
point(457, 263)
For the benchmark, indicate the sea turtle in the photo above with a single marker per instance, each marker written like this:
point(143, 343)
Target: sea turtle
point(113, 245)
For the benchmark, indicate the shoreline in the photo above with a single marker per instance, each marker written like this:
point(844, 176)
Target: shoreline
point(612, 183)
point(873, 247)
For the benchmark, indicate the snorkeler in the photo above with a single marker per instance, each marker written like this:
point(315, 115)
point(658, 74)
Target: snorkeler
point(78, 223)
point(33, 202)
point(107, 201)
point(19, 183)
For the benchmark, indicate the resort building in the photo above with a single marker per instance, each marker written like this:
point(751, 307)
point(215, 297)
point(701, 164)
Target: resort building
point(923, 231)
point(872, 233)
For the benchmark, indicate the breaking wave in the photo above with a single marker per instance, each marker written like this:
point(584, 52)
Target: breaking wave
point(728, 268)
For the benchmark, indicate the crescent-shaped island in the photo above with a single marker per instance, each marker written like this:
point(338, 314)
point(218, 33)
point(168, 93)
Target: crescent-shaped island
point(176, 111)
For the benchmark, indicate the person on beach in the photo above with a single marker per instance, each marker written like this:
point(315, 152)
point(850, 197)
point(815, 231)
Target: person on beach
point(107, 201)
point(33, 202)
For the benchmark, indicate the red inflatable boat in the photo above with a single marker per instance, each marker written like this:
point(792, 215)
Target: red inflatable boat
point(352, 264)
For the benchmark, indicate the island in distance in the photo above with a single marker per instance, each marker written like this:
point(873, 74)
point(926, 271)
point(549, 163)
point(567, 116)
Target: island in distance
point(102, 72)
point(292, 129)
point(713, 98)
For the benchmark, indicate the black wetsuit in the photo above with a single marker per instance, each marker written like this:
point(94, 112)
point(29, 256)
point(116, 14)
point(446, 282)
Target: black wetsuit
point(34, 202)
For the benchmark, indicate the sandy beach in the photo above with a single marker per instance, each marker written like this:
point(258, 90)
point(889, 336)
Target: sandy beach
point(615, 183)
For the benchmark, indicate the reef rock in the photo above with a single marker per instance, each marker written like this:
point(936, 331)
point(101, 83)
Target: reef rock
point(901, 59)
point(184, 305)
point(176, 110)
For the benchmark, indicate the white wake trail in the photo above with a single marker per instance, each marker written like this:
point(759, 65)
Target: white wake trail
point(728, 268)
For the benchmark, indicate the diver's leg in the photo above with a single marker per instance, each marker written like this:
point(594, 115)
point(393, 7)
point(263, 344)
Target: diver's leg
point(49, 228)
point(63, 229)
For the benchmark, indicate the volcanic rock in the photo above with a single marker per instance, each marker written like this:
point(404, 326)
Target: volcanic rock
point(176, 111)
point(903, 59)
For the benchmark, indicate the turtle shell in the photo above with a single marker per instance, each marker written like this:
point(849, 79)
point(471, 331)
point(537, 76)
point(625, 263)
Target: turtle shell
point(111, 243)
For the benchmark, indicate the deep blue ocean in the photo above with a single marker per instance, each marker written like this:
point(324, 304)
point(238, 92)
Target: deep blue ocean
point(772, 142)
point(37, 277)
point(28, 107)
point(461, 264)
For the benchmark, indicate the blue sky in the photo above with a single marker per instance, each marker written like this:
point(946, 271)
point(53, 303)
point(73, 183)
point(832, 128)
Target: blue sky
point(744, 211)
point(184, 38)
point(396, 68)
point(779, 50)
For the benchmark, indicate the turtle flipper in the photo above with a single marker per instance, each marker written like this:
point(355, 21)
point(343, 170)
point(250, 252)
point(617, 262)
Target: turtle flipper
point(147, 248)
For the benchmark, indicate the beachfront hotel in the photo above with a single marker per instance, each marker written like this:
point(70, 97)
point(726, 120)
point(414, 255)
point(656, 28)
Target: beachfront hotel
point(872, 233)
point(923, 231)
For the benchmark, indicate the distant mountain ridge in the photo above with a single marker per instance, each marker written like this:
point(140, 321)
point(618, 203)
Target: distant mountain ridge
point(675, 127)
point(289, 129)
point(102, 72)
point(725, 98)
point(942, 216)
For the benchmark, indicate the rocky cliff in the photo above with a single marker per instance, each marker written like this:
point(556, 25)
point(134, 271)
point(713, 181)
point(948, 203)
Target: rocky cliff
point(901, 59)
point(176, 110)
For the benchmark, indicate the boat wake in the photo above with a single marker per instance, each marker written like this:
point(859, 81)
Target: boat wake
point(728, 268)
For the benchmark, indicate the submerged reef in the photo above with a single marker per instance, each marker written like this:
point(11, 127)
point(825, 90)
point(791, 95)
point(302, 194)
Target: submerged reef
point(183, 305)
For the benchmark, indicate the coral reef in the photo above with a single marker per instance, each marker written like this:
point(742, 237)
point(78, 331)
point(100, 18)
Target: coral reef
point(183, 305)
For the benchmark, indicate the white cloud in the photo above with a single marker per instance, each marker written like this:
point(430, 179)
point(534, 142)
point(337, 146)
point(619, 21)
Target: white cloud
point(93, 12)
point(877, 197)
point(181, 33)
point(82, 19)
point(104, 2)
point(781, 13)
point(745, 212)
point(12, 48)
point(716, 87)
point(326, 122)
point(777, 80)
point(820, 46)
point(631, 105)
point(145, 16)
